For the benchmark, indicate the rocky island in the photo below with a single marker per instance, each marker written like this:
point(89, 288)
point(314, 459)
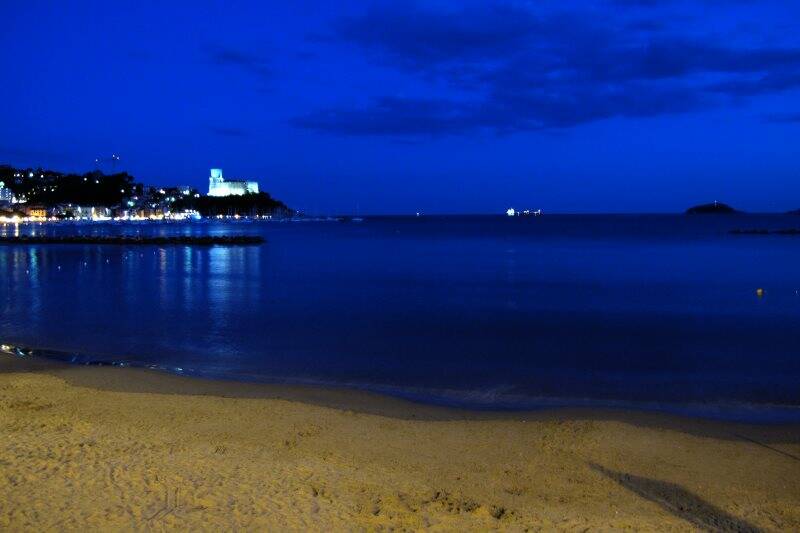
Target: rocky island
point(715, 208)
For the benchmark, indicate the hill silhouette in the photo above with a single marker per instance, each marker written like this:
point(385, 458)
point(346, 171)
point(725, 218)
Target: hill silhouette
point(715, 208)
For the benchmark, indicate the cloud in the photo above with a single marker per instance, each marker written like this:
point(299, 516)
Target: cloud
point(532, 110)
point(514, 69)
point(397, 117)
point(660, 3)
point(771, 82)
point(419, 38)
point(783, 118)
point(245, 61)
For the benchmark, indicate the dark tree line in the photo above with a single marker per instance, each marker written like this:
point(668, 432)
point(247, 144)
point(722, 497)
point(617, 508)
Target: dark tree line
point(49, 188)
point(260, 204)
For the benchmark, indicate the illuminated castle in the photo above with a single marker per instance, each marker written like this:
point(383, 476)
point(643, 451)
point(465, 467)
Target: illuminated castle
point(219, 186)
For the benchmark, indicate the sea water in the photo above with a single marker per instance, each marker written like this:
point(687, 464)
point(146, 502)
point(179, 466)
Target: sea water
point(653, 312)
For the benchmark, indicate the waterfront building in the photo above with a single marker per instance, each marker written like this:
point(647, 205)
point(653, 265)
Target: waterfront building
point(219, 186)
point(6, 195)
point(36, 212)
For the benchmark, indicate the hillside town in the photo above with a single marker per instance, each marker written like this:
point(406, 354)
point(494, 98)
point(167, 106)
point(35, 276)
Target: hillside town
point(37, 194)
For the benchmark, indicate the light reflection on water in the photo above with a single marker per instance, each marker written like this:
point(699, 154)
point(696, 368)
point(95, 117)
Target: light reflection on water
point(648, 309)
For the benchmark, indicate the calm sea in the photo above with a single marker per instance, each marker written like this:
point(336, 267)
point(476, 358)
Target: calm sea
point(653, 312)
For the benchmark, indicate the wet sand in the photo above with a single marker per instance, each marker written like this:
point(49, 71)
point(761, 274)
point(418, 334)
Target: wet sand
point(125, 449)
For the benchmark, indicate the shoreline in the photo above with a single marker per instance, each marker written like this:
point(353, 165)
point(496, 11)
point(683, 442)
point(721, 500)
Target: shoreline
point(341, 394)
point(168, 451)
point(143, 380)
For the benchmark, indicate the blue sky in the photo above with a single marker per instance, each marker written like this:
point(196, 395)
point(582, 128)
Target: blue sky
point(397, 107)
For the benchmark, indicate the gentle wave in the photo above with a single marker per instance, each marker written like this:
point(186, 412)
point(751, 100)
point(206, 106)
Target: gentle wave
point(497, 398)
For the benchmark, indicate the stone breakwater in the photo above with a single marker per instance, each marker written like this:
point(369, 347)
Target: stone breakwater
point(758, 231)
point(181, 240)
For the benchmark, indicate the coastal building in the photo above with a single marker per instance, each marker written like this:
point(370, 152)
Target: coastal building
point(36, 212)
point(219, 186)
point(6, 195)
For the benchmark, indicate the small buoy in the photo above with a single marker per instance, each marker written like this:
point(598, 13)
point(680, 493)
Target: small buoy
point(760, 292)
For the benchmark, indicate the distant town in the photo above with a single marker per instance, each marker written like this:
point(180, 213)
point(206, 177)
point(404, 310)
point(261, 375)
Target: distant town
point(28, 194)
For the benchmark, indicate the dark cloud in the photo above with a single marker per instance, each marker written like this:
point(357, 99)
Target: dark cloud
point(784, 118)
point(400, 117)
point(524, 71)
point(419, 38)
point(660, 3)
point(245, 61)
point(771, 82)
point(532, 110)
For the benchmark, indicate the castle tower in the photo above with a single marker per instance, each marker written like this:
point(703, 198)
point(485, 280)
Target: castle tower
point(215, 182)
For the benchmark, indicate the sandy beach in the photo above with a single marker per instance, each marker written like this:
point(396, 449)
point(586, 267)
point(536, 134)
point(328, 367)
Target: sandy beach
point(123, 449)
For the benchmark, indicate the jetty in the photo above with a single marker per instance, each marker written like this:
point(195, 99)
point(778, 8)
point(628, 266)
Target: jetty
point(758, 231)
point(135, 240)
